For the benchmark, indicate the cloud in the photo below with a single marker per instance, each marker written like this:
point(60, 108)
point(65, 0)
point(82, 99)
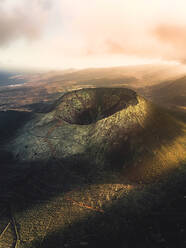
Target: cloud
point(92, 32)
point(175, 37)
point(21, 20)
point(127, 27)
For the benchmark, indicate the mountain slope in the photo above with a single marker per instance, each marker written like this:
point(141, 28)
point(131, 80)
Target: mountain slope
point(171, 93)
point(103, 128)
point(93, 172)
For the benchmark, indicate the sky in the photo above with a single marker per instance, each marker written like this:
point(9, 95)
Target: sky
point(60, 34)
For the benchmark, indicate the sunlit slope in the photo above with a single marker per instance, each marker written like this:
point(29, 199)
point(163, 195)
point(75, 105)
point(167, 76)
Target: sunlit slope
point(169, 93)
point(164, 148)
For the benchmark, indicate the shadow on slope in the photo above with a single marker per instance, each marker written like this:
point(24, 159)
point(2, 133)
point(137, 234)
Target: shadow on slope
point(46, 198)
point(146, 216)
point(63, 206)
point(11, 121)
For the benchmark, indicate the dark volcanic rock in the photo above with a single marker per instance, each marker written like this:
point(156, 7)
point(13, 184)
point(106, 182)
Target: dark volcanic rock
point(90, 126)
point(88, 106)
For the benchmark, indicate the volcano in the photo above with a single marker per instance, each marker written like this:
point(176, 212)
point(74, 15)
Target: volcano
point(103, 129)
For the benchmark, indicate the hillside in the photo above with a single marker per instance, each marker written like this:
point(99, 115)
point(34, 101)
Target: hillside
point(101, 163)
point(104, 126)
point(10, 78)
point(171, 93)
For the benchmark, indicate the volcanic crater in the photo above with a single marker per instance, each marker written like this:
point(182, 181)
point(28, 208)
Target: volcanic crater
point(88, 106)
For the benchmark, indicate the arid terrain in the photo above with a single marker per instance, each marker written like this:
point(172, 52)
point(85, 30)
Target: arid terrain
point(93, 158)
point(163, 84)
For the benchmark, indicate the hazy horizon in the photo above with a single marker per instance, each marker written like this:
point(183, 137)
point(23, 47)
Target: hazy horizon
point(54, 35)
